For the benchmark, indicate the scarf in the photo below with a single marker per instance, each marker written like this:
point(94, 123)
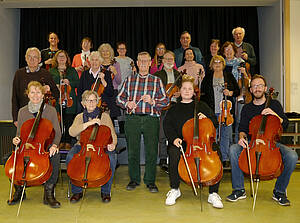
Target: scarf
point(34, 108)
point(87, 116)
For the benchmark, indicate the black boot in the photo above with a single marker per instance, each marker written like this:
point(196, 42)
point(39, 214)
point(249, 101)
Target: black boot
point(49, 196)
point(17, 195)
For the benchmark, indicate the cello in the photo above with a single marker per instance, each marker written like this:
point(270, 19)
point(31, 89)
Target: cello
point(263, 158)
point(29, 164)
point(199, 164)
point(91, 166)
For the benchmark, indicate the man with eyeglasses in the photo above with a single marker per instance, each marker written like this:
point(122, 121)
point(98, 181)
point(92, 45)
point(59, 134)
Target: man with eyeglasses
point(143, 96)
point(258, 88)
point(168, 75)
point(185, 40)
point(32, 72)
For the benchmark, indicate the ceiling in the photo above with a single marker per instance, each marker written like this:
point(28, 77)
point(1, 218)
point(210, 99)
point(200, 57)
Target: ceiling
point(130, 3)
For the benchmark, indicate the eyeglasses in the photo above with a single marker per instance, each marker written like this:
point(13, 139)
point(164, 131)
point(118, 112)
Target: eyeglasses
point(160, 48)
point(32, 57)
point(169, 59)
point(258, 86)
point(217, 61)
point(91, 101)
point(122, 48)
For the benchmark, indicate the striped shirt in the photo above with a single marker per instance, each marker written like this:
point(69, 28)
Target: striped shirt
point(135, 86)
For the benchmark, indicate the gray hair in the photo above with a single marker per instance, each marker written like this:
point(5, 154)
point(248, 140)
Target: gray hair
point(32, 49)
point(243, 30)
point(95, 54)
point(86, 94)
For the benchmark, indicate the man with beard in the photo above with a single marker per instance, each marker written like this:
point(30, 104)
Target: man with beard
point(168, 75)
point(289, 157)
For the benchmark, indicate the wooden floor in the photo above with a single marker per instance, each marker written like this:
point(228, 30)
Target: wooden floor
point(141, 206)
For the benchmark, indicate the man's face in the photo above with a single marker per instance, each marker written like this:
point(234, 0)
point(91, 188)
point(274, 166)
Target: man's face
point(33, 59)
point(185, 40)
point(53, 39)
point(258, 88)
point(238, 35)
point(168, 60)
point(144, 63)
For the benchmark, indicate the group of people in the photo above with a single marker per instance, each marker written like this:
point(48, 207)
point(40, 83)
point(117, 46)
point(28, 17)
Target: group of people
point(141, 97)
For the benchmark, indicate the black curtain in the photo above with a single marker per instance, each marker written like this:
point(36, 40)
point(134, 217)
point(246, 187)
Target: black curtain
point(141, 28)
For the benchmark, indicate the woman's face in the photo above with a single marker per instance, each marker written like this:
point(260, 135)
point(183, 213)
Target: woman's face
point(35, 95)
point(160, 50)
point(95, 63)
point(122, 50)
point(214, 48)
point(90, 103)
point(217, 65)
point(187, 91)
point(105, 53)
point(189, 55)
point(229, 52)
point(61, 59)
point(86, 45)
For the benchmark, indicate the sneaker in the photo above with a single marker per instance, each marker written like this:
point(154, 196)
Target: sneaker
point(237, 195)
point(152, 188)
point(215, 200)
point(281, 198)
point(172, 195)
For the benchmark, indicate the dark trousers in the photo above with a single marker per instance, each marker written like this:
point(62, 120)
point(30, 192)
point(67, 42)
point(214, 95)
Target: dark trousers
point(135, 126)
point(162, 146)
point(174, 158)
point(67, 122)
point(55, 161)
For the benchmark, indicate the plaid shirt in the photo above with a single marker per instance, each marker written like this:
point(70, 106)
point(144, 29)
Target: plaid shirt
point(135, 86)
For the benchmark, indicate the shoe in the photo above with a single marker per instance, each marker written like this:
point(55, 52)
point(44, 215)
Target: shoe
point(152, 188)
point(281, 198)
point(226, 164)
point(172, 195)
point(236, 195)
point(49, 196)
point(132, 185)
point(76, 197)
point(164, 165)
point(68, 146)
point(105, 198)
point(215, 200)
point(17, 195)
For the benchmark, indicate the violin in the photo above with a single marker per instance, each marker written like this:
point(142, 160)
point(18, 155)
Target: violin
point(225, 118)
point(264, 156)
point(91, 166)
point(245, 96)
point(171, 88)
point(98, 86)
point(29, 164)
point(49, 98)
point(65, 90)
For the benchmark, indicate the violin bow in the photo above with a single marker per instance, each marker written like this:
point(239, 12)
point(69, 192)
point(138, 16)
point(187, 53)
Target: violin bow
point(135, 107)
point(258, 154)
point(188, 170)
point(61, 113)
point(23, 191)
point(250, 168)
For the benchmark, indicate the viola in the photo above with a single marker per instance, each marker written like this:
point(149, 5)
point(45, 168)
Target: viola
point(29, 165)
point(264, 157)
point(91, 166)
point(98, 86)
point(65, 90)
point(225, 117)
point(245, 96)
point(172, 88)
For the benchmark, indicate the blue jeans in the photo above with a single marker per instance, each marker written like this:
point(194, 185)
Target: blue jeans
point(226, 133)
point(289, 159)
point(237, 119)
point(105, 189)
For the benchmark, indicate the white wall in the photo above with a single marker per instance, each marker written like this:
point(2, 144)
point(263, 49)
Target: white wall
point(295, 49)
point(270, 47)
point(9, 57)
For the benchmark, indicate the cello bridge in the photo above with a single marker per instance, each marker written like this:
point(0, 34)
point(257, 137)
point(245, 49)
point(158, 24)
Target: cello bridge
point(90, 146)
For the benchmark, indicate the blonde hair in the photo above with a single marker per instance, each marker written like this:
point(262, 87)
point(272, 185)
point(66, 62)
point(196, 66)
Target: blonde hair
point(86, 94)
point(217, 57)
point(187, 78)
point(144, 53)
point(55, 63)
point(35, 84)
point(110, 49)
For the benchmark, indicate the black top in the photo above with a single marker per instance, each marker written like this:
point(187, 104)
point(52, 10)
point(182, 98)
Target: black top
point(250, 110)
point(207, 90)
point(182, 112)
point(47, 54)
